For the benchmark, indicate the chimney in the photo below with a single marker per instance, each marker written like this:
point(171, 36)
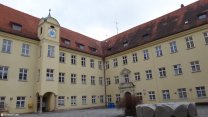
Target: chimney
point(182, 5)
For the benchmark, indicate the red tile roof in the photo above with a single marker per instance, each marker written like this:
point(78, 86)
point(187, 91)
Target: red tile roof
point(163, 26)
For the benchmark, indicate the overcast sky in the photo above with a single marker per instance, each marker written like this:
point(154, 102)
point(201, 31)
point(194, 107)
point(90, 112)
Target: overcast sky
point(97, 18)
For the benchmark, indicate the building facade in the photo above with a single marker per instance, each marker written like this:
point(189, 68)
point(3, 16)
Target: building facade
point(45, 67)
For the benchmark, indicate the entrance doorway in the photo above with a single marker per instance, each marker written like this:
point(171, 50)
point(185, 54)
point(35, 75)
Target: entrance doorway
point(48, 102)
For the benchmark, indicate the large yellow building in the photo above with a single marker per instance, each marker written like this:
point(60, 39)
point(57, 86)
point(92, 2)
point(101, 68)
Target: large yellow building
point(45, 67)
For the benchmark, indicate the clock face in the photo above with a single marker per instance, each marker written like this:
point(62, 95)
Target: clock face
point(52, 32)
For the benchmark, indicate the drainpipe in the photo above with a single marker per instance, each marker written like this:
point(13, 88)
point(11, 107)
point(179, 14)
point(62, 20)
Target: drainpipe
point(104, 81)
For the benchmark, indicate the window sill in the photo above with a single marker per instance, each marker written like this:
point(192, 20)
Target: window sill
point(159, 56)
point(206, 44)
point(84, 104)
point(203, 97)
point(61, 105)
point(196, 71)
point(23, 80)
point(84, 83)
point(25, 55)
point(73, 104)
point(49, 79)
point(73, 64)
point(73, 83)
point(20, 107)
point(6, 52)
point(137, 80)
point(190, 48)
point(61, 82)
point(146, 59)
point(134, 61)
point(149, 79)
point(3, 79)
point(93, 84)
point(178, 74)
point(162, 76)
point(51, 57)
point(153, 100)
point(62, 62)
point(173, 52)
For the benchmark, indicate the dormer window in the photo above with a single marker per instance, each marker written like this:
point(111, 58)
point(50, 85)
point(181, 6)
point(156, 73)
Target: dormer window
point(125, 43)
point(202, 16)
point(52, 26)
point(93, 49)
point(145, 36)
point(66, 42)
point(109, 49)
point(164, 23)
point(16, 26)
point(81, 46)
point(186, 22)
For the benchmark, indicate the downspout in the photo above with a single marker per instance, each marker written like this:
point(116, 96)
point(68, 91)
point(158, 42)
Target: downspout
point(104, 80)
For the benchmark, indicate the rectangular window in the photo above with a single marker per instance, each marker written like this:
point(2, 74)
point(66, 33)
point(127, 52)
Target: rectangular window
point(23, 74)
point(137, 76)
point(16, 27)
point(92, 63)
point(182, 93)
point(146, 54)
point(100, 80)
point(83, 62)
point(51, 51)
point(73, 100)
point(139, 96)
point(84, 79)
point(200, 91)
point(134, 56)
point(93, 99)
point(148, 74)
point(195, 66)
point(84, 100)
point(115, 62)
point(189, 42)
point(61, 77)
point(173, 47)
point(73, 78)
point(49, 74)
point(177, 69)
point(100, 66)
point(62, 57)
point(73, 59)
point(109, 98)
point(2, 102)
point(25, 49)
point(92, 80)
point(3, 72)
point(20, 102)
point(158, 51)
point(118, 98)
point(61, 100)
point(7, 45)
point(116, 80)
point(162, 72)
point(108, 81)
point(206, 37)
point(152, 95)
point(101, 98)
point(126, 77)
point(125, 60)
point(107, 64)
point(166, 94)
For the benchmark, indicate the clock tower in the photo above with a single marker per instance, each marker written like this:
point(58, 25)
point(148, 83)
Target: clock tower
point(48, 63)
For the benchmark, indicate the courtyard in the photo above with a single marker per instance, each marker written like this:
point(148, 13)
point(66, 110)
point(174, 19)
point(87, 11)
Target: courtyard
point(201, 110)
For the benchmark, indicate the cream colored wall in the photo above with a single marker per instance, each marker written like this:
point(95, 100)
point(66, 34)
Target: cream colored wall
point(184, 56)
point(67, 89)
point(12, 87)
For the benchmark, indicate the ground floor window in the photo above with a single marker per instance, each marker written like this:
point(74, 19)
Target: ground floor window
point(101, 99)
point(166, 94)
point(20, 102)
point(2, 102)
point(73, 100)
point(61, 100)
point(200, 91)
point(84, 99)
point(109, 98)
point(118, 98)
point(93, 99)
point(182, 93)
point(152, 95)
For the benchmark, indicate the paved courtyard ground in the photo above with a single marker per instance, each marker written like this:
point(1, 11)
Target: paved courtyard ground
point(202, 112)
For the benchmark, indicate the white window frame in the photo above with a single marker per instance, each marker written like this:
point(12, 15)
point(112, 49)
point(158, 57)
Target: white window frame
point(118, 98)
point(49, 74)
point(166, 94)
point(61, 57)
point(195, 67)
point(108, 82)
point(20, 103)
point(23, 74)
point(139, 96)
point(92, 80)
point(189, 42)
point(51, 51)
point(4, 72)
point(2, 102)
point(73, 59)
point(100, 66)
point(61, 101)
point(107, 64)
point(152, 96)
point(137, 76)
point(7, 46)
point(126, 78)
point(182, 94)
point(25, 49)
point(158, 51)
point(83, 62)
point(146, 54)
point(61, 77)
point(100, 80)
point(101, 98)
point(84, 100)
point(148, 74)
point(93, 99)
point(115, 62)
point(201, 92)
point(73, 78)
point(92, 63)
point(83, 78)
point(109, 98)
point(206, 37)
point(73, 100)
point(134, 57)
point(162, 72)
point(177, 69)
point(116, 79)
point(173, 47)
point(125, 61)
